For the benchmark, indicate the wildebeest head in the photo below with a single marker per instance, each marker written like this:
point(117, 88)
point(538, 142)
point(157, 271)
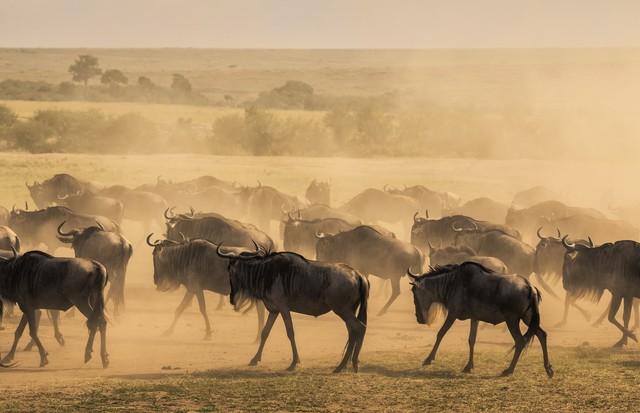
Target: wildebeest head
point(575, 269)
point(236, 258)
point(40, 194)
point(75, 235)
point(424, 299)
point(165, 276)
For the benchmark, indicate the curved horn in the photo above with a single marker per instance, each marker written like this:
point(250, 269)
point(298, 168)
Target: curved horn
point(68, 234)
point(149, 241)
point(415, 217)
point(412, 275)
point(15, 253)
point(321, 235)
point(570, 247)
point(590, 241)
point(63, 197)
point(426, 213)
point(13, 209)
point(166, 213)
point(559, 233)
point(538, 233)
point(192, 211)
point(184, 239)
point(225, 254)
point(100, 226)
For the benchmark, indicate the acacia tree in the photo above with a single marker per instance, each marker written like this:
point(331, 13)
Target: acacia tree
point(113, 77)
point(180, 83)
point(84, 68)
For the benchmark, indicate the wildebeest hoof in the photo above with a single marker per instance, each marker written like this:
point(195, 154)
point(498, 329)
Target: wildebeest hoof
point(207, 336)
point(549, 370)
point(632, 336)
point(44, 362)
point(254, 362)
point(87, 356)
point(60, 340)
point(338, 369)
point(467, 369)
point(7, 359)
point(105, 361)
point(292, 367)
point(167, 333)
point(427, 362)
point(507, 373)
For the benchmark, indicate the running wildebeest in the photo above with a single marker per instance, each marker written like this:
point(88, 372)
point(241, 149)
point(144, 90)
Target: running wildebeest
point(37, 280)
point(588, 271)
point(108, 248)
point(470, 291)
point(371, 252)
point(287, 282)
point(458, 255)
point(196, 266)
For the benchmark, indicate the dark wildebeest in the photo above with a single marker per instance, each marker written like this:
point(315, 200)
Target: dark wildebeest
point(46, 193)
point(588, 271)
point(4, 215)
point(36, 227)
point(92, 204)
point(300, 234)
point(528, 220)
point(470, 291)
point(141, 206)
point(287, 282)
point(436, 202)
point(108, 248)
point(370, 252)
point(37, 280)
point(374, 205)
point(439, 232)
point(460, 254)
point(318, 193)
point(484, 209)
point(196, 266)
point(9, 239)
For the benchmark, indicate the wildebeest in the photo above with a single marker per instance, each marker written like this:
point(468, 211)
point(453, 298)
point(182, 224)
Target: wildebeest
point(370, 252)
point(36, 227)
point(428, 199)
point(37, 280)
point(588, 271)
point(8, 239)
point(533, 196)
point(92, 204)
point(47, 193)
point(483, 209)
point(600, 229)
point(373, 205)
point(470, 291)
point(265, 204)
point(172, 191)
point(300, 234)
point(440, 233)
point(215, 228)
point(320, 211)
point(4, 215)
point(460, 254)
point(287, 282)
point(318, 193)
point(196, 266)
point(110, 249)
point(141, 206)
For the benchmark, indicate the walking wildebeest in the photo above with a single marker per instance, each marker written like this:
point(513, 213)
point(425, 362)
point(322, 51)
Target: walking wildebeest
point(108, 248)
point(588, 271)
point(287, 282)
point(196, 266)
point(485, 209)
point(373, 206)
point(46, 193)
point(436, 202)
point(458, 255)
point(300, 234)
point(371, 252)
point(140, 206)
point(37, 280)
point(470, 291)
point(92, 204)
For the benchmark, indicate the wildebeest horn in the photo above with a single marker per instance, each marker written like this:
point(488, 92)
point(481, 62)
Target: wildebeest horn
point(167, 211)
point(570, 247)
point(456, 229)
point(26, 205)
point(61, 198)
point(192, 211)
point(590, 241)
point(415, 217)
point(15, 253)
point(538, 233)
point(426, 213)
point(320, 235)
point(149, 241)
point(290, 217)
point(100, 226)
point(412, 275)
point(184, 239)
point(68, 234)
point(559, 233)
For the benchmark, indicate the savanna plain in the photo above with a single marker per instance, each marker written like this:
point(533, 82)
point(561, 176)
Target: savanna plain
point(183, 372)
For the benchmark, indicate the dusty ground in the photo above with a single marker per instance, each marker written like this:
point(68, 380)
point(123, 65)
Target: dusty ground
point(149, 372)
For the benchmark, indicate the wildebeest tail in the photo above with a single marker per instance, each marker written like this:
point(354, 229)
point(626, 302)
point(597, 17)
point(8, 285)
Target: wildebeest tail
point(96, 296)
point(534, 306)
point(363, 287)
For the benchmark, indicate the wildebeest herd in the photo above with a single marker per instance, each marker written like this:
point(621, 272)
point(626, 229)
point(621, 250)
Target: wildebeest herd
point(276, 253)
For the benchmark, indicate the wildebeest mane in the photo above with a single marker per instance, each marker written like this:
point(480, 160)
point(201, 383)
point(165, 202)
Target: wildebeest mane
point(255, 277)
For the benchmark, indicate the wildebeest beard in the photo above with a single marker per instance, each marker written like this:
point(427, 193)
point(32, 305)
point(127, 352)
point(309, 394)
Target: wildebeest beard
point(172, 260)
point(590, 270)
point(255, 277)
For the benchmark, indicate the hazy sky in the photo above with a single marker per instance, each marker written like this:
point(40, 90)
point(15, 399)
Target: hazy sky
point(319, 23)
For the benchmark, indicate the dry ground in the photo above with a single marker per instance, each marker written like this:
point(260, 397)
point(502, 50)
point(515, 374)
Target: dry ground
point(149, 372)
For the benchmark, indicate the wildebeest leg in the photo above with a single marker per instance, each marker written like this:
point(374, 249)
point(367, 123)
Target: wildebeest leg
point(33, 331)
point(260, 309)
point(103, 343)
point(55, 320)
point(514, 329)
point(203, 310)
point(348, 349)
point(87, 311)
point(472, 341)
point(31, 343)
point(186, 300)
point(288, 324)
point(626, 316)
point(263, 338)
point(565, 314)
point(11, 354)
point(220, 303)
point(448, 322)
point(542, 338)
point(615, 305)
point(395, 292)
point(361, 329)
point(602, 316)
point(636, 314)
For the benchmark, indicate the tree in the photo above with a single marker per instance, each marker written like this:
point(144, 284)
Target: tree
point(145, 83)
point(7, 116)
point(180, 83)
point(84, 68)
point(113, 77)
